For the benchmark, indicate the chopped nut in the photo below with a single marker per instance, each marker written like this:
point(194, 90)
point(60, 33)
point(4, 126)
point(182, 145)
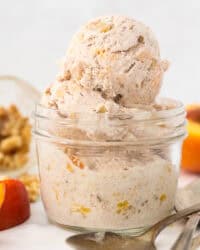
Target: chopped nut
point(20, 159)
point(31, 182)
point(141, 39)
point(97, 88)
point(104, 95)
point(15, 137)
point(26, 137)
point(1, 157)
point(11, 144)
point(3, 113)
point(79, 71)
point(117, 98)
point(65, 77)
point(154, 63)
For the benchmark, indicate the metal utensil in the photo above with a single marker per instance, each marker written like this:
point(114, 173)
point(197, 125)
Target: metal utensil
point(187, 196)
point(195, 242)
point(110, 241)
point(185, 238)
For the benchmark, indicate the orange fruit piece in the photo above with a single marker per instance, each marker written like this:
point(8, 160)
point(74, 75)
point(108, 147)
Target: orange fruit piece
point(14, 203)
point(191, 146)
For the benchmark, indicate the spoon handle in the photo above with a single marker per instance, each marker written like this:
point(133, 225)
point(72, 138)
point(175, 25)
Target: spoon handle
point(184, 240)
point(158, 227)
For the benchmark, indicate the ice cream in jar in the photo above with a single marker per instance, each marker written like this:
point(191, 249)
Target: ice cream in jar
point(105, 141)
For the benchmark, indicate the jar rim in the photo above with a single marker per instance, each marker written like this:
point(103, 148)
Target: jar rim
point(173, 118)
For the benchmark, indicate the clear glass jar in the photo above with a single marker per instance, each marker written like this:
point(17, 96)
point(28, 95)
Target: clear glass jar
point(103, 172)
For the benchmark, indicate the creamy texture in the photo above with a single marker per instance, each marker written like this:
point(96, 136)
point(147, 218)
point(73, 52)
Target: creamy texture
point(118, 56)
point(111, 75)
point(106, 191)
point(105, 119)
point(112, 64)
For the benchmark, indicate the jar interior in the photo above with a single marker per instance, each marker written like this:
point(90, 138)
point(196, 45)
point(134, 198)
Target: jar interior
point(111, 189)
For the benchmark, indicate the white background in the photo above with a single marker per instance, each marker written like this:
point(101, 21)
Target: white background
point(34, 35)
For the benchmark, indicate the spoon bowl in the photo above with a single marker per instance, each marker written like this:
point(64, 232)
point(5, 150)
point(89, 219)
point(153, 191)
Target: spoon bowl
point(110, 241)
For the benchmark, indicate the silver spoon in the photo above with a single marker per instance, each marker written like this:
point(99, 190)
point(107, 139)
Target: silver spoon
point(184, 241)
point(110, 241)
point(188, 195)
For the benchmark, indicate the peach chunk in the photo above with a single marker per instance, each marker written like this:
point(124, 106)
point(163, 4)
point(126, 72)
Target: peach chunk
point(14, 203)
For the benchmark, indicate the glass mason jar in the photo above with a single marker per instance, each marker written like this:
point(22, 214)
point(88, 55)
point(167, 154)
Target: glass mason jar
point(103, 172)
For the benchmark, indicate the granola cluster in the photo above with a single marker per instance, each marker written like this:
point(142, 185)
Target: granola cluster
point(15, 137)
point(31, 183)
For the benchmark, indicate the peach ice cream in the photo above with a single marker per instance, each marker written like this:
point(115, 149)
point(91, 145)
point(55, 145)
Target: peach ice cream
point(117, 56)
point(105, 142)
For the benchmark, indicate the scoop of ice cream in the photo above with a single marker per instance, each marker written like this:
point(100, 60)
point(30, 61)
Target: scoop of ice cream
point(117, 57)
point(91, 117)
point(112, 67)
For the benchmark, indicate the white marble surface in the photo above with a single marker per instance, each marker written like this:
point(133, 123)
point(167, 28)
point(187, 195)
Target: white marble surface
point(39, 234)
